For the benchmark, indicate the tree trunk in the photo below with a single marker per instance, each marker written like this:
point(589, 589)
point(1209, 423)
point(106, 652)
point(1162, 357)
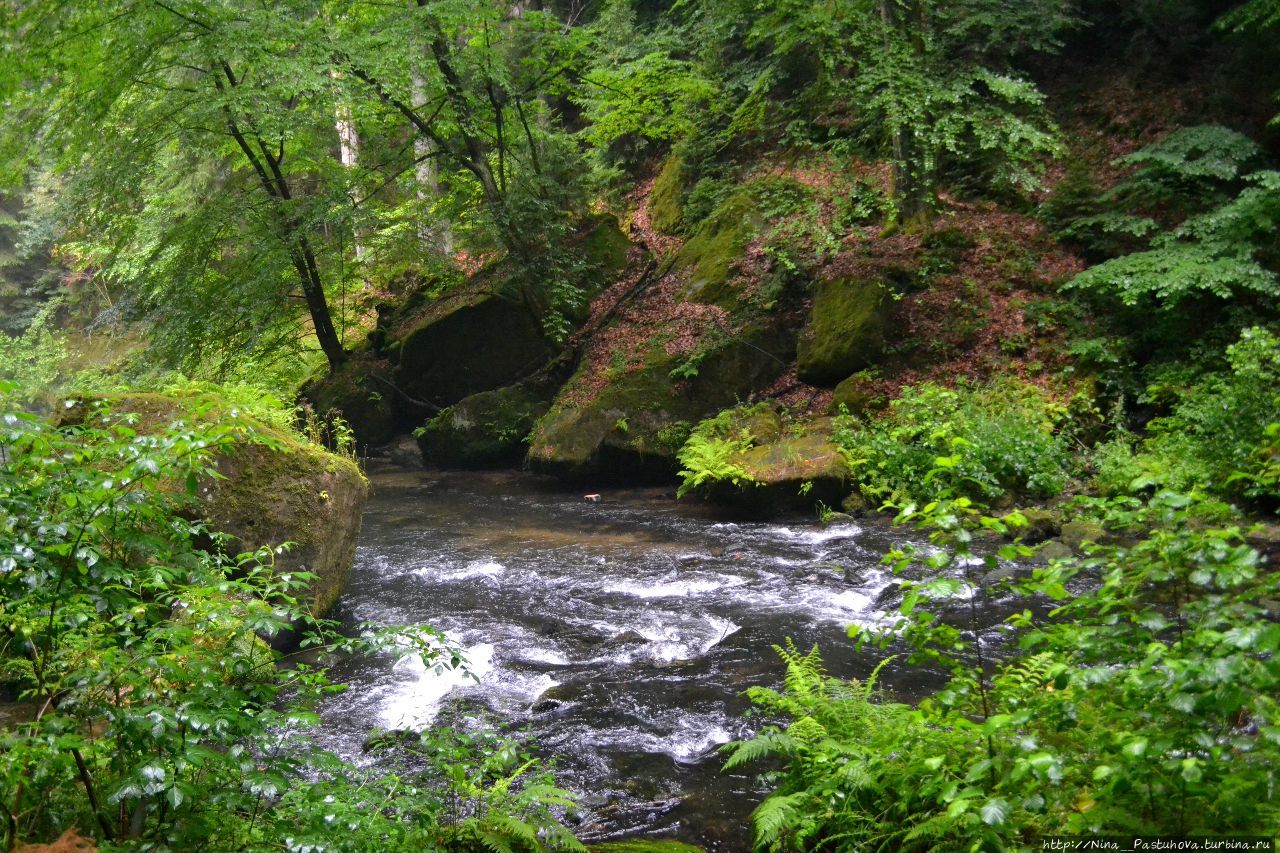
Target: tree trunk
point(267, 167)
point(434, 236)
point(348, 150)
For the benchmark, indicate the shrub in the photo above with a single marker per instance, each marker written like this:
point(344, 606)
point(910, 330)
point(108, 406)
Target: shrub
point(164, 721)
point(1216, 436)
point(983, 442)
point(706, 456)
point(1145, 703)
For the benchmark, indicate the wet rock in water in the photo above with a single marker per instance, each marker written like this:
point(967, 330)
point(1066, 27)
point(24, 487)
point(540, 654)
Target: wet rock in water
point(1042, 524)
point(846, 329)
point(1054, 549)
point(545, 705)
point(1076, 534)
point(783, 467)
point(485, 430)
point(404, 452)
point(627, 638)
point(389, 739)
point(635, 425)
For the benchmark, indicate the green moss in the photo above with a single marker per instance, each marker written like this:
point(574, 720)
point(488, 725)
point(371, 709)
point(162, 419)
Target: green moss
point(576, 440)
point(274, 487)
point(360, 392)
point(665, 213)
point(644, 847)
point(484, 430)
point(846, 329)
point(773, 466)
point(604, 248)
point(857, 395)
point(711, 255)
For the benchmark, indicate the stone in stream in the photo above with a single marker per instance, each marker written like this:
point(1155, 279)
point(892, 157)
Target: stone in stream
point(485, 430)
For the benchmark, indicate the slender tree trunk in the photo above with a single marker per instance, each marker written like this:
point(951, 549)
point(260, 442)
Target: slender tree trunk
point(267, 167)
point(435, 236)
point(911, 185)
point(348, 149)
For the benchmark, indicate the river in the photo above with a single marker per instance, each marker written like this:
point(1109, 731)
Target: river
point(620, 634)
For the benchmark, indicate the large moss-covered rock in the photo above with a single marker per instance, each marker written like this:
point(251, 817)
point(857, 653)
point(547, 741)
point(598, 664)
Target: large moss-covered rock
point(360, 393)
point(779, 464)
point(483, 335)
point(485, 430)
point(710, 257)
point(274, 488)
point(635, 425)
point(846, 329)
point(477, 338)
point(665, 213)
point(294, 492)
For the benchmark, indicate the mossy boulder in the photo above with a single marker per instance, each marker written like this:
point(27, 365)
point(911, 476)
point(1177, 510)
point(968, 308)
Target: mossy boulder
point(665, 212)
point(634, 426)
point(479, 337)
point(483, 335)
point(604, 250)
point(846, 329)
point(710, 257)
point(274, 488)
point(644, 846)
point(1079, 533)
point(485, 430)
point(360, 392)
point(858, 395)
point(782, 465)
point(293, 492)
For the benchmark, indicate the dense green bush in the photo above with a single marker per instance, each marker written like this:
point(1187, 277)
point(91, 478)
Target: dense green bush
point(984, 442)
point(1145, 703)
point(1218, 436)
point(161, 718)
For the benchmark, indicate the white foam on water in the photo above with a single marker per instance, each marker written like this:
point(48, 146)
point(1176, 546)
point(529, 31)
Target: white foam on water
point(671, 642)
point(818, 537)
point(414, 700)
point(686, 745)
point(552, 657)
point(474, 569)
point(673, 588)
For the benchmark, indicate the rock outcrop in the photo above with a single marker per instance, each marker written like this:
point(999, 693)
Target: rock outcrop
point(779, 464)
point(846, 329)
point(485, 335)
point(274, 488)
point(485, 430)
point(634, 426)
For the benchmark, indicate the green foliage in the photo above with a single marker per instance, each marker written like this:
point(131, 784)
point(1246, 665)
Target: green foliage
point(1143, 703)
point(982, 442)
point(1220, 247)
point(1216, 435)
point(35, 358)
point(706, 457)
point(164, 720)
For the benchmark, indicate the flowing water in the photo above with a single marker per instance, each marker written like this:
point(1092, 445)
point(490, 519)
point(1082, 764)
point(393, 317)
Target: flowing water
point(620, 634)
